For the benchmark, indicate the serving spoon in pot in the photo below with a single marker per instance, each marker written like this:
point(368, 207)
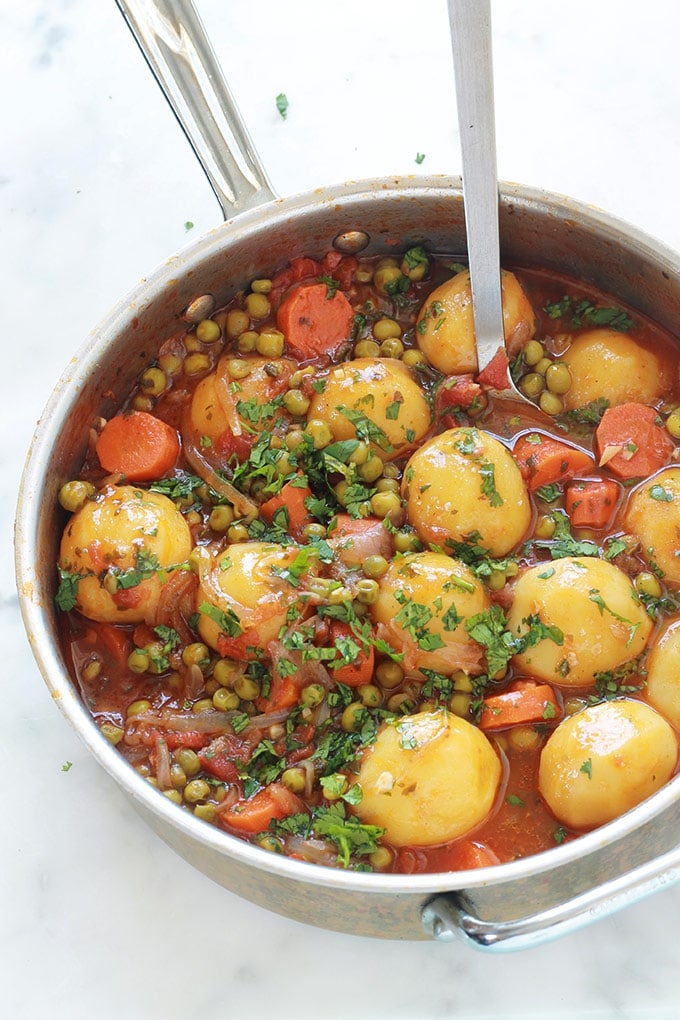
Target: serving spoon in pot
point(470, 22)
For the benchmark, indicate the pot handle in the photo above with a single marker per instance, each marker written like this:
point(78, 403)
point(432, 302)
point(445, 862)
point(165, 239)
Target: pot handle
point(175, 46)
point(450, 916)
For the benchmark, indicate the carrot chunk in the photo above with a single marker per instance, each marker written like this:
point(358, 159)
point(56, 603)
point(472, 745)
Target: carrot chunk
point(544, 460)
point(591, 502)
point(314, 320)
point(254, 815)
point(292, 497)
point(630, 442)
point(522, 704)
point(137, 445)
point(360, 669)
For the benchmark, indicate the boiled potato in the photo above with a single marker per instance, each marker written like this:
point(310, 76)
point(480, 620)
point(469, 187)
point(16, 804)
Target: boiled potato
point(250, 598)
point(464, 482)
point(445, 330)
point(653, 515)
point(423, 602)
point(374, 397)
point(604, 760)
point(609, 364)
point(663, 674)
point(428, 778)
point(126, 529)
point(214, 410)
point(593, 604)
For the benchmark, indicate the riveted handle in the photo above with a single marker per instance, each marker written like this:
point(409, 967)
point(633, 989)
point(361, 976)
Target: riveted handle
point(175, 46)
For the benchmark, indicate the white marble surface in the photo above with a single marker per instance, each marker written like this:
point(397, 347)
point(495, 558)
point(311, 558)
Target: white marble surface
point(97, 917)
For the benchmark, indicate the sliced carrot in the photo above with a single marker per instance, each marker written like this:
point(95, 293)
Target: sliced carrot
point(495, 375)
point(137, 445)
point(522, 704)
point(359, 670)
point(544, 460)
point(462, 855)
point(314, 322)
point(117, 641)
point(254, 815)
point(630, 442)
point(283, 693)
point(591, 502)
point(292, 497)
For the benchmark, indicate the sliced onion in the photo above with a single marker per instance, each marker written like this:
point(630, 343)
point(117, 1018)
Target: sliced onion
point(243, 505)
point(163, 764)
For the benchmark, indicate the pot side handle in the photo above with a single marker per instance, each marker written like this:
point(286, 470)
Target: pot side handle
point(450, 917)
point(175, 46)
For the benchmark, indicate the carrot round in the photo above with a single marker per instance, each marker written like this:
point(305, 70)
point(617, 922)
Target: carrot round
point(591, 502)
point(631, 442)
point(254, 815)
point(314, 320)
point(137, 445)
point(292, 496)
point(544, 460)
point(525, 703)
point(360, 670)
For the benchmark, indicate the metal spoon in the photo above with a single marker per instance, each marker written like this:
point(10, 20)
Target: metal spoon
point(470, 22)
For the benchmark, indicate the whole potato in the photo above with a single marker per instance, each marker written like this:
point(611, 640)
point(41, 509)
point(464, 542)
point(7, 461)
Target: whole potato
point(607, 364)
point(127, 538)
point(663, 674)
point(604, 760)
point(428, 778)
point(653, 515)
point(445, 330)
point(422, 605)
point(374, 398)
point(593, 604)
point(462, 483)
point(244, 596)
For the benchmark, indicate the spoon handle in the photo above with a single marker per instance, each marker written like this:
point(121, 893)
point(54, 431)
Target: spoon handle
point(470, 22)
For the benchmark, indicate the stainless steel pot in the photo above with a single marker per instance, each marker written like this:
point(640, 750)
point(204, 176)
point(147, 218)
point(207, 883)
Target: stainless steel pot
point(507, 906)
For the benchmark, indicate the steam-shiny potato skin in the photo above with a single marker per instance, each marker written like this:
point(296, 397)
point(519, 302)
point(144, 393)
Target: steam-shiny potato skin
point(653, 515)
point(662, 689)
point(604, 760)
point(607, 364)
point(445, 330)
point(593, 604)
point(424, 600)
point(266, 380)
point(108, 534)
point(382, 390)
point(464, 482)
point(242, 580)
point(428, 778)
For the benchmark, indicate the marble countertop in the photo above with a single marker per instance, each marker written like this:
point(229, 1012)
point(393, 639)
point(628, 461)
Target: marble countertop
point(98, 918)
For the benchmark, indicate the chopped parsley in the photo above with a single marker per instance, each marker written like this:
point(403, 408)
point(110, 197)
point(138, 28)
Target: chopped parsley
point(282, 104)
point(227, 621)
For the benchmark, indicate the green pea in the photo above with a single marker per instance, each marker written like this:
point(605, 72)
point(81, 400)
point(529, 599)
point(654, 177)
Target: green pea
point(296, 403)
point(367, 591)
point(221, 517)
point(195, 790)
point(375, 566)
point(208, 331)
point(73, 495)
point(188, 760)
point(558, 378)
point(225, 700)
point(206, 812)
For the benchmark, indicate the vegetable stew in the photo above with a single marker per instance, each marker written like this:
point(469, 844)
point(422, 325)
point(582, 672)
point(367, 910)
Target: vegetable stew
point(334, 595)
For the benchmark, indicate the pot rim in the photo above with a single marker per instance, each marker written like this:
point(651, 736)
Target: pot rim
point(65, 395)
